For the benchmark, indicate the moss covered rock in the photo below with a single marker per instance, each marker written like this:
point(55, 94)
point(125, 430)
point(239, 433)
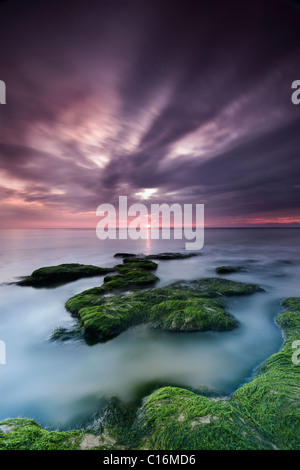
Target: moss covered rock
point(182, 306)
point(128, 280)
point(111, 318)
point(134, 273)
point(62, 273)
point(217, 287)
point(171, 256)
point(139, 263)
point(262, 414)
point(25, 434)
point(196, 314)
point(164, 308)
point(90, 297)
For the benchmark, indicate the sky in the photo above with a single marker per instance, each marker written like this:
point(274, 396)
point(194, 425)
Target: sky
point(160, 101)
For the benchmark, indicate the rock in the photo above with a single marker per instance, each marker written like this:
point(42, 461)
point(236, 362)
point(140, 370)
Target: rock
point(216, 287)
point(195, 314)
point(171, 256)
point(261, 415)
point(89, 442)
point(182, 306)
point(138, 263)
point(5, 428)
point(61, 274)
point(164, 308)
point(159, 256)
point(124, 255)
point(129, 280)
point(228, 269)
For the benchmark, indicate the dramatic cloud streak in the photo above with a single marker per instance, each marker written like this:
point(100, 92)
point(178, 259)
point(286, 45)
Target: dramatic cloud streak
point(161, 99)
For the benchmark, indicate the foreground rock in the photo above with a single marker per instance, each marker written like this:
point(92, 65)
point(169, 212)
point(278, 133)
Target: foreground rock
point(261, 415)
point(62, 273)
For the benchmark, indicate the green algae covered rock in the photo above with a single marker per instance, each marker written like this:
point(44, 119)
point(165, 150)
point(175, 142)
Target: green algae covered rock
point(197, 314)
point(262, 414)
point(110, 319)
point(134, 273)
point(90, 297)
point(129, 279)
point(171, 256)
point(53, 275)
point(164, 308)
point(183, 306)
point(25, 434)
point(217, 287)
point(139, 263)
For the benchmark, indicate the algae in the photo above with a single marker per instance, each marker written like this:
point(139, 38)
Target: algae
point(263, 414)
point(61, 274)
point(164, 308)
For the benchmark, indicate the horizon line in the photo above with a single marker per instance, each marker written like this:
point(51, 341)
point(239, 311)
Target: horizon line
point(149, 228)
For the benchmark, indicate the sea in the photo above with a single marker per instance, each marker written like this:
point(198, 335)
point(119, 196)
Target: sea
point(63, 385)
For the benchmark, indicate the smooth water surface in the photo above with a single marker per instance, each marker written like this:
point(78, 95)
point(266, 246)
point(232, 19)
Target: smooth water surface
point(60, 384)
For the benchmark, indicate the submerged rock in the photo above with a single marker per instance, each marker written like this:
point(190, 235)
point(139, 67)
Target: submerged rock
point(62, 273)
point(229, 269)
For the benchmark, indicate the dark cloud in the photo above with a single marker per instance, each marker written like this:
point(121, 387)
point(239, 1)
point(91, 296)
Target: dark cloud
point(193, 100)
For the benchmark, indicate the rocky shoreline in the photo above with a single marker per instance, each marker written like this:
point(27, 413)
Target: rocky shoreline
point(262, 414)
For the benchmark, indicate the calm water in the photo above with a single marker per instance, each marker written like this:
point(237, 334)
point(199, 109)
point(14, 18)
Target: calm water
point(59, 384)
